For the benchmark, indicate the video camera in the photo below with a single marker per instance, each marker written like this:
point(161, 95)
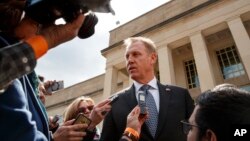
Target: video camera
point(47, 11)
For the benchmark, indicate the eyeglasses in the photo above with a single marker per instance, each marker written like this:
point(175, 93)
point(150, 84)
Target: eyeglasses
point(84, 109)
point(186, 126)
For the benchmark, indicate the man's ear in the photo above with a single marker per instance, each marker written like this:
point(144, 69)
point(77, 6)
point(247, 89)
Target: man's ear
point(154, 58)
point(209, 136)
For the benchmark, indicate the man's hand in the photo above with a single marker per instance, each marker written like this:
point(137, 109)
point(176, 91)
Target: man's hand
point(43, 89)
point(134, 120)
point(53, 124)
point(69, 132)
point(97, 115)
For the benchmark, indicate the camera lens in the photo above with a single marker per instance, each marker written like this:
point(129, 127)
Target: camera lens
point(88, 27)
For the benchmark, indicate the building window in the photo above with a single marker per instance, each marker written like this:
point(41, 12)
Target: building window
point(191, 74)
point(230, 63)
point(247, 88)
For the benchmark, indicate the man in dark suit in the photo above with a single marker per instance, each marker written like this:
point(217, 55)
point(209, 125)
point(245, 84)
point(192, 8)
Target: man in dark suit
point(172, 104)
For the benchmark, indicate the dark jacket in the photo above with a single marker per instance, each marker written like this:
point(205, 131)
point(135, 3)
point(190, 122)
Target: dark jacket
point(175, 105)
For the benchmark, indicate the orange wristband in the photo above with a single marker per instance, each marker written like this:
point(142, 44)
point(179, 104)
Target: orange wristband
point(132, 131)
point(39, 45)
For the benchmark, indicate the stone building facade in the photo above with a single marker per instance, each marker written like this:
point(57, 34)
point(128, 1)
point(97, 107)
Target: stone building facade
point(200, 44)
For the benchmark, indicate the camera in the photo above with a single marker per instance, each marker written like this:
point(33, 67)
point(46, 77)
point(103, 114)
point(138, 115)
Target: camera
point(47, 11)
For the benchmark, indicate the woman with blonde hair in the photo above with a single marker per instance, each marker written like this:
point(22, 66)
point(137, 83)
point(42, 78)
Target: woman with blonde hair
point(87, 107)
point(82, 104)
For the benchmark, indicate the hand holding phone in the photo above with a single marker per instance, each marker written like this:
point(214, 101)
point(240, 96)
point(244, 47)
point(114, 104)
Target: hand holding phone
point(113, 98)
point(57, 85)
point(55, 119)
point(82, 119)
point(54, 122)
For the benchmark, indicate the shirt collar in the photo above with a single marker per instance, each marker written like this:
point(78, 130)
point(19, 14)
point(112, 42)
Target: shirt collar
point(152, 83)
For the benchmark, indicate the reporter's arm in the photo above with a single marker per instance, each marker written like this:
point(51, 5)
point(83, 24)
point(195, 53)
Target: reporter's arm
point(97, 114)
point(53, 35)
point(96, 117)
point(133, 127)
point(15, 61)
point(19, 59)
point(57, 34)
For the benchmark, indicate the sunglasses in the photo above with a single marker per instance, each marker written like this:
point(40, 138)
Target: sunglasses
point(186, 126)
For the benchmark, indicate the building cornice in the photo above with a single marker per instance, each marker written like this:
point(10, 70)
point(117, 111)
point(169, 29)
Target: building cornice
point(167, 21)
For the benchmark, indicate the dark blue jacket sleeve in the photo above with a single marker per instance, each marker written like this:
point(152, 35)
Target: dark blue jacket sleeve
point(15, 120)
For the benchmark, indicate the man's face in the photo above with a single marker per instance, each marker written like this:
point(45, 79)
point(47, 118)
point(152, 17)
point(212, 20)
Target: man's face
point(194, 131)
point(139, 62)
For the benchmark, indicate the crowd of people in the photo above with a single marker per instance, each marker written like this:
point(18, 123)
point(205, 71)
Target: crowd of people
point(171, 114)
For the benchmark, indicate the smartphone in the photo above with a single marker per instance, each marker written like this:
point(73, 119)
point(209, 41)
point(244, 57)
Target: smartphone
point(82, 119)
point(55, 118)
point(142, 103)
point(58, 119)
point(56, 86)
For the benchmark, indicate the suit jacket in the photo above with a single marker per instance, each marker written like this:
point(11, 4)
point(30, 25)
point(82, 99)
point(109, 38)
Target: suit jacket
point(175, 105)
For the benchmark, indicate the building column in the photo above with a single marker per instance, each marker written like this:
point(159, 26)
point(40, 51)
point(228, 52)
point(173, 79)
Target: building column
point(166, 65)
point(202, 61)
point(110, 81)
point(242, 41)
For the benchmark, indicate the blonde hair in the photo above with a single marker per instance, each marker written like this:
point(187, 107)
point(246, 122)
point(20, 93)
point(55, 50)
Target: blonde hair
point(149, 44)
point(72, 110)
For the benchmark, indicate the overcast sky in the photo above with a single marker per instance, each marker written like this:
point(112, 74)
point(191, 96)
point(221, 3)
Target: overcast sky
point(81, 59)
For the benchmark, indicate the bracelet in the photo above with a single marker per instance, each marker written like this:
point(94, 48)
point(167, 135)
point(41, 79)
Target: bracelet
point(38, 44)
point(130, 136)
point(131, 133)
